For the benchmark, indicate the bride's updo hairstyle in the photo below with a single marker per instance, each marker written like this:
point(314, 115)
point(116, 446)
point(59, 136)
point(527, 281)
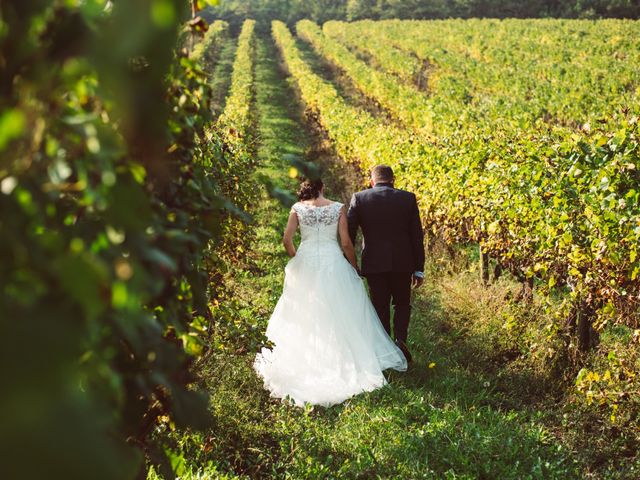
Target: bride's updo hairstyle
point(310, 189)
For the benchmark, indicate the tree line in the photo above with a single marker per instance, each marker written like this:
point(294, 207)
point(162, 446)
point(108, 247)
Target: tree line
point(321, 11)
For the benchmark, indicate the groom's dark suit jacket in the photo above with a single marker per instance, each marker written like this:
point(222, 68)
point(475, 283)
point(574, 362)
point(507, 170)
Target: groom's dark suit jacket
point(391, 228)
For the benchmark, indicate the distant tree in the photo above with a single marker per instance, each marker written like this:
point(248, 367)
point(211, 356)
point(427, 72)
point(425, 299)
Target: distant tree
point(460, 8)
point(290, 11)
point(609, 8)
point(413, 8)
point(321, 11)
point(359, 9)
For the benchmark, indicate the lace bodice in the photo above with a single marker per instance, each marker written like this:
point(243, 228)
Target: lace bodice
point(318, 223)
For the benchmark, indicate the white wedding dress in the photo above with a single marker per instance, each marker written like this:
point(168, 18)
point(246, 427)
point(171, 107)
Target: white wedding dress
point(328, 341)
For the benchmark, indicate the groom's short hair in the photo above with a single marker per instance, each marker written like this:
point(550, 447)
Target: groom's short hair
point(382, 173)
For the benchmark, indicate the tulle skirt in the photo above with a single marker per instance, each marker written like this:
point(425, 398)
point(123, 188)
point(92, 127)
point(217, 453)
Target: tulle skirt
point(328, 341)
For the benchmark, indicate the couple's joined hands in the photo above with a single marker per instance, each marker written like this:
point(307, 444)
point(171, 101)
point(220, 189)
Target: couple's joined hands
point(416, 281)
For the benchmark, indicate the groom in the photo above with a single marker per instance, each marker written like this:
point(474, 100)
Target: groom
point(393, 249)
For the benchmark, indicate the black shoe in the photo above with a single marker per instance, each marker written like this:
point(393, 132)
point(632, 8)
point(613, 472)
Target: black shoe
point(405, 351)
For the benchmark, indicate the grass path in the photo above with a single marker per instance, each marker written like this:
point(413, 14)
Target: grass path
point(441, 419)
point(221, 76)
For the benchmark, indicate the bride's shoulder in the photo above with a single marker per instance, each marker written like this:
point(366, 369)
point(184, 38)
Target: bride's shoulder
point(337, 206)
point(335, 203)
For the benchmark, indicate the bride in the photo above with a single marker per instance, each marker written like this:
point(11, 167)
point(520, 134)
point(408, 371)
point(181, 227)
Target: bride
point(328, 341)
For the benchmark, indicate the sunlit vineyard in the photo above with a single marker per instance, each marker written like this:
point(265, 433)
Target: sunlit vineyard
point(147, 167)
point(525, 140)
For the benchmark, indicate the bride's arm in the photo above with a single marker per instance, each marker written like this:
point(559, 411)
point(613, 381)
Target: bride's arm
point(289, 232)
point(345, 239)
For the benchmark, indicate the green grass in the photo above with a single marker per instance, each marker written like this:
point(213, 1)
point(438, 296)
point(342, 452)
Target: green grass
point(221, 76)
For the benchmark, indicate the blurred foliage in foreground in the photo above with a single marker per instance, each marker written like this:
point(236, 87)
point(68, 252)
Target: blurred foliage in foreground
point(110, 206)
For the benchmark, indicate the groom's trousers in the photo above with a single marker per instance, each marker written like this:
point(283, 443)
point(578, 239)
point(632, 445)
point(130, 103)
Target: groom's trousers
point(392, 288)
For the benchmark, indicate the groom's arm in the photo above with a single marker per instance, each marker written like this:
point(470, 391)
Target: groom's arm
point(417, 236)
point(352, 219)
